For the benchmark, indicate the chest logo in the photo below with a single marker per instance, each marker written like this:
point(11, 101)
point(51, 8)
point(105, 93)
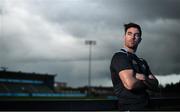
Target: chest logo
point(134, 62)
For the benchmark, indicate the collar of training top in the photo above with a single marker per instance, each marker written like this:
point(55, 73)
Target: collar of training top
point(125, 50)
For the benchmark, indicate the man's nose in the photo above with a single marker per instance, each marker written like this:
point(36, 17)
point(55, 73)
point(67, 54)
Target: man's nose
point(133, 36)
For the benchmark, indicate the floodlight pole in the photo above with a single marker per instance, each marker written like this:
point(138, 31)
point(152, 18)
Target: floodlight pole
point(90, 43)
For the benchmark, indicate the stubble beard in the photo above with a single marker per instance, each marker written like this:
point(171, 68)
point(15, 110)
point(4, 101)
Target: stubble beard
point(133, 47)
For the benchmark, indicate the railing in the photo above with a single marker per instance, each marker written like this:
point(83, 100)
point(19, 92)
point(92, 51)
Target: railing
point(82, 104)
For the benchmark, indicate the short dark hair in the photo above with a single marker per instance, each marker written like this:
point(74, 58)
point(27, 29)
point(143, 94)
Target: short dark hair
point(134, 25)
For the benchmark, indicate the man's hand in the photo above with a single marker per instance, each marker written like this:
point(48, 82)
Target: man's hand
point(152, 83)
point(140, 76)
point(151, 77)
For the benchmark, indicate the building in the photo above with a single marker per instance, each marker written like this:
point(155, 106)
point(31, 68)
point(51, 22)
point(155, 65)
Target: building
point(21, 83)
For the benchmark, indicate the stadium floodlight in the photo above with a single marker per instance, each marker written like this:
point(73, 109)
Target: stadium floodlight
point(90, 43)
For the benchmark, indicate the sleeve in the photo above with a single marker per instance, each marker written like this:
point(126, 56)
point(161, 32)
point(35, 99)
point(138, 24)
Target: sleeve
point(120, 61)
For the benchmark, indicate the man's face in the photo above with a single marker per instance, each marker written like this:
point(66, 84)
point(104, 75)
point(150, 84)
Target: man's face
point(132, 38)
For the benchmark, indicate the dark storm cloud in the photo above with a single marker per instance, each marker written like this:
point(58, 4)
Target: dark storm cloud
point(48, 36)
point(159, 45)
point(145, 9)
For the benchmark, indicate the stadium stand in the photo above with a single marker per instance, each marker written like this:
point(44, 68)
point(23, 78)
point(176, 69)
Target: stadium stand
point(20, 83)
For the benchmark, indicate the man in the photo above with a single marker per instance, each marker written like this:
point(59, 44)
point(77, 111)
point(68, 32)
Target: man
point(130, 74)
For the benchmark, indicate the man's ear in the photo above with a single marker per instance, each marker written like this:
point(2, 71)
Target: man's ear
point(140, 39)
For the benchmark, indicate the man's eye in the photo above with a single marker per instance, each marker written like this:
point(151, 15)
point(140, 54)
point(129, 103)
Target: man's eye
point(129, 33)
point(137, 35)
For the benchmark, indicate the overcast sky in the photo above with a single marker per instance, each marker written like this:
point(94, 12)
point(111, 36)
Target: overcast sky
point(48, 36)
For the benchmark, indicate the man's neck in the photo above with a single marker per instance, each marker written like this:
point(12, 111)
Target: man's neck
point(129, 50)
